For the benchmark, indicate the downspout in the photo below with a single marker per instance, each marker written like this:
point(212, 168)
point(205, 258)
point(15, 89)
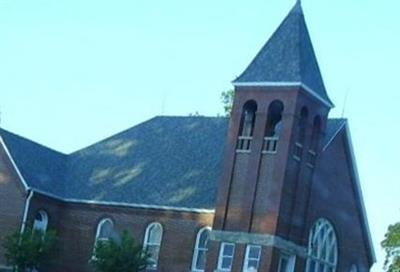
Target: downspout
point(26, 210)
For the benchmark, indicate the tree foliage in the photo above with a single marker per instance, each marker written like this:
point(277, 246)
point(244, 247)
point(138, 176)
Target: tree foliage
point(227, 101)
point(391, 245)
point(124, 255)
point(28, 250)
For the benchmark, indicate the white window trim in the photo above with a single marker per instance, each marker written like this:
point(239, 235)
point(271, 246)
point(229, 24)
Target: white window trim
point(41, 226)
point(221, 255)
point(291, 261)
point(242, 140)
point(196, 249)
point(270, 140)
point(247, 257)
point(99, 226)
point(320, 224)
point(146, 243)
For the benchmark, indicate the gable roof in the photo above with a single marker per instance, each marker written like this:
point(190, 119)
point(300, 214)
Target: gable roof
point(40, 167)
point(287, 58)
point(165, 161)
point(359, 195)
point(343, 136)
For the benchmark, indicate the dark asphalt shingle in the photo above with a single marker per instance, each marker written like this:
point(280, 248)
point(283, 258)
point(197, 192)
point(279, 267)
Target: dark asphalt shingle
point(41, 167)
point(168, 161)
point(288, 56)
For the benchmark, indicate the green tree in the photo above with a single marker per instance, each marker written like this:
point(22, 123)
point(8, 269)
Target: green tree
point(227, 101)
point(391, 245)
point(28, 250)
point(124, 255)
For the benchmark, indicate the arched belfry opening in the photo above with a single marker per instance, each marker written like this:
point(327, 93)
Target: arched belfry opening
point(315, 137)
point(273, 129)
point(316, 133)
point(300, 134)
point(246, 129)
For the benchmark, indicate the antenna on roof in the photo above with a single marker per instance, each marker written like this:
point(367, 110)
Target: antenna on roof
point(345, 102)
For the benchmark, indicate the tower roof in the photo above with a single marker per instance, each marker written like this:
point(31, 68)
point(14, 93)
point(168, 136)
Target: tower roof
point(287, 58)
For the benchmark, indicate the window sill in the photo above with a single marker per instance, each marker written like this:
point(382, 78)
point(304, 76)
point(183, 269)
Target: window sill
point(296, 158)
point(269, 152)
point(242, 151)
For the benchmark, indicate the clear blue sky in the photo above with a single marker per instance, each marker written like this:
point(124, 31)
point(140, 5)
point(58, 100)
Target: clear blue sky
point(73, 71)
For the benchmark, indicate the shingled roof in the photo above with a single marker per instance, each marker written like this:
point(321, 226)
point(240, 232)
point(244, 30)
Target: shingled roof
point(41, 167)
point(165, 161)
point(287, 58)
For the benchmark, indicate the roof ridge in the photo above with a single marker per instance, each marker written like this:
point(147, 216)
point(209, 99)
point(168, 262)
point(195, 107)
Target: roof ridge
point(111, 136)
point(142, 123)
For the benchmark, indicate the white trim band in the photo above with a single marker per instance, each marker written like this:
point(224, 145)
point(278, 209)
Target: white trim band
point(26, 210)
point(14, 164)
point(124, 204)
point(284, 84)
point(258, 239)
point(359, 192)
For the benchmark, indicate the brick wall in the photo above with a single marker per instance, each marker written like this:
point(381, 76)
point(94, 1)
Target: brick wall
point(76, 225)
point(333, 197)
point(12, 200)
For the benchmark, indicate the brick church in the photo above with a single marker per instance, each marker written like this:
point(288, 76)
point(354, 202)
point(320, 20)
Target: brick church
point(273, 188)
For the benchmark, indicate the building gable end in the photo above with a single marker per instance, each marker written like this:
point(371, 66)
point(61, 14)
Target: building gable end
point(14, 165)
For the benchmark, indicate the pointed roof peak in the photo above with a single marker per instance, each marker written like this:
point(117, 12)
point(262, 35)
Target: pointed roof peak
point(287, 58)
point(297, 7)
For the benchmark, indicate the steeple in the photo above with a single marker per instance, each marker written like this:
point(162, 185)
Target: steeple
point(287, 58)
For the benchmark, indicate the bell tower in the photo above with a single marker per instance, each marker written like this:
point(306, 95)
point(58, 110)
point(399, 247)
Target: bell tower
point(278, 118)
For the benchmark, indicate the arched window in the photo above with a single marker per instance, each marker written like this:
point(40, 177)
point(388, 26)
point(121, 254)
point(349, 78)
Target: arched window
point(273, 128)
point(200, 250)
point(105, 230)
point(152, 243)
point(246, 129)
point(312, 152)
point(322, 248)
point(315, 133)
point(41, 221)
point(301, 134)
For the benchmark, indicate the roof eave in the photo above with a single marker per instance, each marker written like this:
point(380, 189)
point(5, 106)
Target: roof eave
point(124, 204)
point(309, 90)
point(360, 195)
point(15, 166)
point(354, 169)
